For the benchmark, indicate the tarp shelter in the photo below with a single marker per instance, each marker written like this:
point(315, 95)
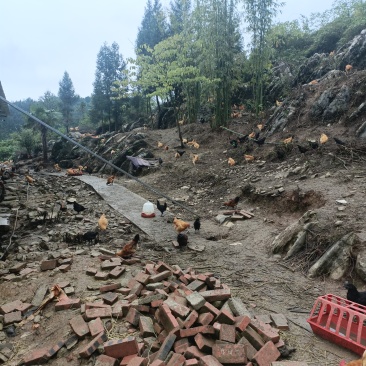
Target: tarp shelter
point(4, 109)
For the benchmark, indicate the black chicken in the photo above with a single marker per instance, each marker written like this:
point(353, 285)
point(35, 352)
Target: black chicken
point(243, 139)
point(260, 141)
point(182, 240)
point(302, 149)
point(181, 152)
point(354, 295)
point(161, 208)
point(202, 120)
point(89, 236)
point(197, 224)
point(339, 142)
point(233, 143)
point(256, 137)
point(313, 144)
point(78, 208)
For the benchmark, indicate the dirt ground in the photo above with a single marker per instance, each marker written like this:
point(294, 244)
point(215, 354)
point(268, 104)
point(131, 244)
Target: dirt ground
point(239, 255)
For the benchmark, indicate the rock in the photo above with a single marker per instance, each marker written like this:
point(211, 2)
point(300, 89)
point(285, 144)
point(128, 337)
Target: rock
point(361, 265)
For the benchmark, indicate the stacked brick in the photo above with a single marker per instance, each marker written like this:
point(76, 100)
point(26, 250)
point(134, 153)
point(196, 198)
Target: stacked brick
point(183, 319)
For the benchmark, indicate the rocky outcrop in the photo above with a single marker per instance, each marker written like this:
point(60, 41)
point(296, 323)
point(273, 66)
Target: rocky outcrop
point(354, 53)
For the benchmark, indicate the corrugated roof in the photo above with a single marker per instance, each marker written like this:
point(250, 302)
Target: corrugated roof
point(4, 109)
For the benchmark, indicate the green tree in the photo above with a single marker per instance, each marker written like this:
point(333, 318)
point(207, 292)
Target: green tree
point(259, 17)
point(68, 98)
point(110, 69)
point(179, 14)
point(26, 139)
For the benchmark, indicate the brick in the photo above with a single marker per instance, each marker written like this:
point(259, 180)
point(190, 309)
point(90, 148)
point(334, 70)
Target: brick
point(156, 303)
point(176, 360)
point(24, 307)
point(238, 308)
point(104, 360)
point(111, 287)
point(280, 321)
point(131, 297)
point(125, 360)
point(205, 318)
point(154, 286)
point(160, 276)
point(209, 361)
point(137, 361)
point(95, 326)
point(181, 346)
point(141, 308)
point(191, 362)
point(68, 304)
point(93, 345)
point(264, 318)
point(265, 331)
point(241, 322)
point(196, 300)
point(109, 298)
point(17, 268)
point(13, 317)
point(10, 306)
point(71, 341)
point(208, 307)
point(116, 272)
point(253, 337)
point(203, 343)
point(204, 329)
point(98, 313)
point(37, 357)
point(217, 328)
point(193, 352)
point(225, 317)
point(65, 261)
point(98, 304)
point(230, 353)
point(119, 348)
point(166, 347)
point(65, 267)
point(102, 276)
point(133, 317)
point(142, 278)
point(184, 280)
point(79, 326)
point(162, 335)
point(136, 289)
point(91, 271)
point(191, 319)
point(53, 350)
point(177, 309)
point(227, 333)
point(124, 291)
point(146, 326)
point(196, 285)
point(267, 354)
point(48, 264)
point(108, 265)
point(157, 363)
point(249, 349)
point(167, 319)
point(162, 267)
point(149, 299)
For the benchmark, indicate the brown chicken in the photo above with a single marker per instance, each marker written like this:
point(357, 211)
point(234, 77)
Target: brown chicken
point(180, 225)
point(248, 158)
point(323, 138)
point(29, 179)
point(57, 167)
point(103, 222)
point(251, 135)
point(130, 248)
point(160, 144)
point(288, 140)
point(232, 203)
point(348, 68)
point(359, 362)
point(110, 180)
point(195, 158)
point(231, 161)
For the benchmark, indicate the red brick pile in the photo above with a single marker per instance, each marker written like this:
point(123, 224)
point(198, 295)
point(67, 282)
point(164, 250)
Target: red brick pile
point(183, 319)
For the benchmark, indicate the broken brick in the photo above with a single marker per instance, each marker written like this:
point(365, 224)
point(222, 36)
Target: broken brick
point(166, 347)
point(92, 346)
point(36, 357)
point(119, 348)
point(176, 360)
point(48, 265)
point(203, 343)
point(279, 321)
point(79, 326)
point(95, 326)
point(193, 352)
point(117, 272)
point(110, 298)
point(225, 317)
point(133, 317)
point(167, 319)
point(14, 317)
point(146, 326)
point(191, 319)
point(181, 346)
point(65, 267)
point(111, 287)
point(204, 329)
point(98, 313)
point(267, 354)
point(205, 318)
point(10, 306)
point(177, 309)
point(137, 361)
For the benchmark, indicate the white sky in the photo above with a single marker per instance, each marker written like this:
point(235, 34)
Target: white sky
point(41, 39)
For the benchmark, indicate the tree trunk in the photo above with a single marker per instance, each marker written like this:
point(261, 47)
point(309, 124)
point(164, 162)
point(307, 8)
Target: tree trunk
point(44, 144)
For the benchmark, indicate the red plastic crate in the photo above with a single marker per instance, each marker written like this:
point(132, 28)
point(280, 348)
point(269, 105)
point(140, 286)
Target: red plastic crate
point(340, 321)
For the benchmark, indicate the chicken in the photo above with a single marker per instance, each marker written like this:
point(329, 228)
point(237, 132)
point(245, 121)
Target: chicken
point(197, 224)
point(313, 82)
point(103, 222)
point(180, 225)
point(89, 236)
point(260, 127)
point(302, 149)
point(196, 145)
point(160, 144)
point(248, 158)
point(78, 208)
point(161, 208)
point(251, 135)
point(179, 153)
point(195, 158)
point(232, 203)
point(242, 139)
point(185, 141)
point(348, 68)
point(233, 143)
point(278, 103)
point(29, 179)
point(260, 141)
point(181, 122)
point(359, 362)
point(288, 140)
point(57, 167)
point(166, 147)
point(231, 161)
point(331, 54)
point(323, 138)
point(354, 295)
point(113, 152)
point(130, 248)
point(182, 240)
point(110, 180)
point(313, 144)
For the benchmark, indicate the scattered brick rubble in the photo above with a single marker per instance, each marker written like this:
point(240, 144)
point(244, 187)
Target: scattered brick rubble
point(170, 317)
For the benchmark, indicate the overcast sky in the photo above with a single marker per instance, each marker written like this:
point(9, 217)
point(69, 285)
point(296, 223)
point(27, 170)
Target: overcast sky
point(41, 39)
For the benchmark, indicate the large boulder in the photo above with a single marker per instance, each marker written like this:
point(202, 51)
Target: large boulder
point(355, 52)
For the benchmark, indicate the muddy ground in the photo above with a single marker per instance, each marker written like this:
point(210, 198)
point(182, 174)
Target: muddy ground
point(239, 255)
